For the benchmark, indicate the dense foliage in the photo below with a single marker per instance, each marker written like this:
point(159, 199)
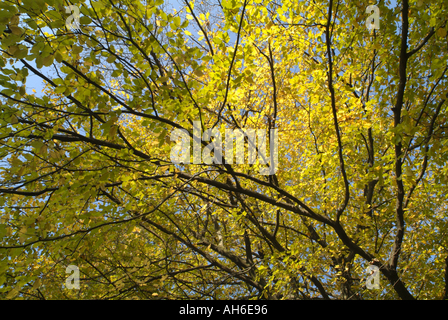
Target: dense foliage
point(87, 180)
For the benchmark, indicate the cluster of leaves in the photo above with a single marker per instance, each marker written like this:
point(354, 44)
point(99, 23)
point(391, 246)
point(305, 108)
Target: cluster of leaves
point(86, 177)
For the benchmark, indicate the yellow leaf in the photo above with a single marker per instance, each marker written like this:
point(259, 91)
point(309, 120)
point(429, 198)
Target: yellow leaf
point(136, 230)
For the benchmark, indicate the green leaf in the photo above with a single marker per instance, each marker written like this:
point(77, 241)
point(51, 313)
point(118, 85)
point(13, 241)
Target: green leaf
point(2, 234)
point(16, 30)
point(85, 20)
point(32, 24)
point(176, 22)
point(98, 5)
point(77, 49)
point(111, 59)
point(14, 119)
point(48, 61)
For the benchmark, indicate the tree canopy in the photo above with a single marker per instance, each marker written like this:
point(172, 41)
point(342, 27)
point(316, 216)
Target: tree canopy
point(86, 175)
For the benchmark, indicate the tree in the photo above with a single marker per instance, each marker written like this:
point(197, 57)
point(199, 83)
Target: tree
point(87, 177)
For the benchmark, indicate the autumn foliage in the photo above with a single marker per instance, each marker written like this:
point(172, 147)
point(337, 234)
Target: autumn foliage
point(86, 177)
